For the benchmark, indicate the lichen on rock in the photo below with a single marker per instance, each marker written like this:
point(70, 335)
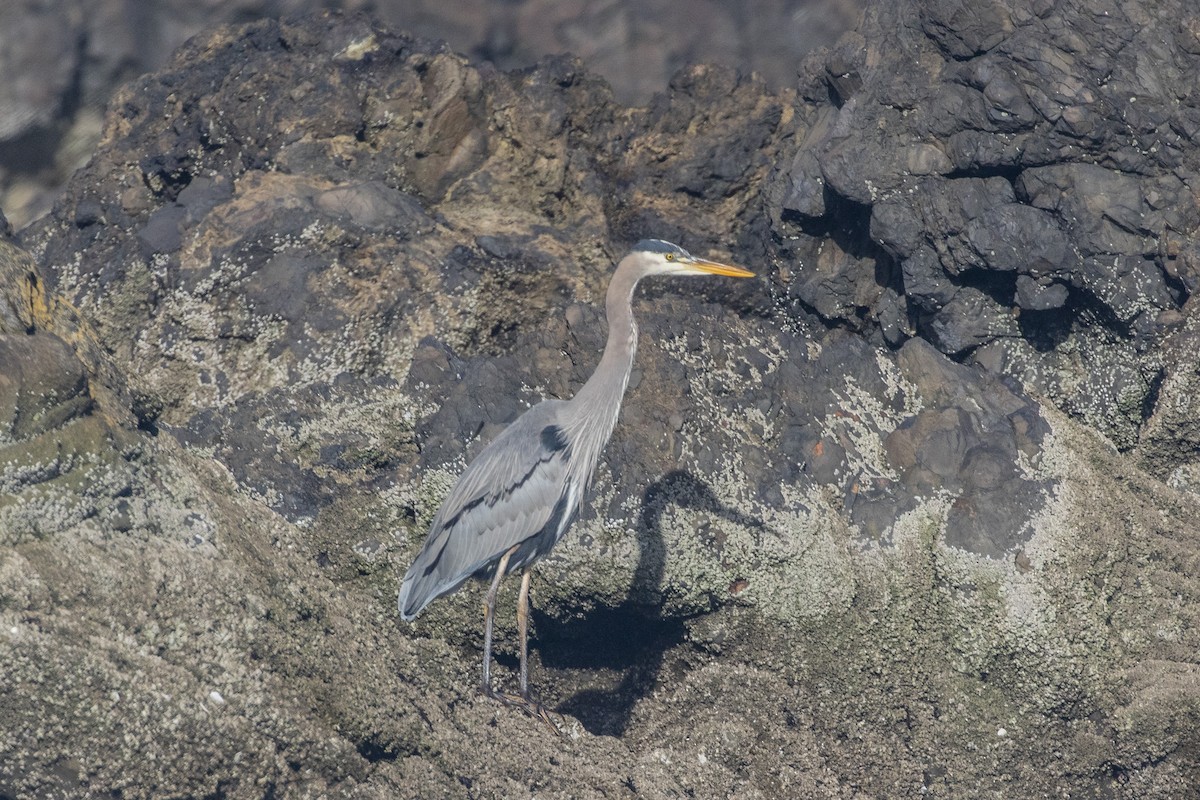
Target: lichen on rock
point(892, 519)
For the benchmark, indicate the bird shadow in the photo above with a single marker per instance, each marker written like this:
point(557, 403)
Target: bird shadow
point(630, 639)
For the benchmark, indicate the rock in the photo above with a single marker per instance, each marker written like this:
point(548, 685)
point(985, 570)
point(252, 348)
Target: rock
point(1040, 294)
point(1166, 447)
point(836, 537)
point(44, 386)
point(1062, 190)
point(970, 318)
point(972, 452)
point(71, 57)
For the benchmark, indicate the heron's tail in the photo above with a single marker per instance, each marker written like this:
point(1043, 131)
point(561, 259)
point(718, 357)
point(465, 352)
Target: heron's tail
point(416, 592)
point(423, 583)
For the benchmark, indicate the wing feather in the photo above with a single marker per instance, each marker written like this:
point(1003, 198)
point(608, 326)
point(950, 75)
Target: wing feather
point(504, 497)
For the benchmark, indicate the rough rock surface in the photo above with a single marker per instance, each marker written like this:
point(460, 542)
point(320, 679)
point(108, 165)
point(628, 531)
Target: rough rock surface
point(63, 59)
point(1016, 184)
point(840, 545)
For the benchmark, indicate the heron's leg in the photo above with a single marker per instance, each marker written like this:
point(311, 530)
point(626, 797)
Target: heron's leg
point(523, 628)
point(489, 616)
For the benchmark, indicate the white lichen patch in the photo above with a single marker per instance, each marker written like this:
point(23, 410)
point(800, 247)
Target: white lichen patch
point(863, 421)
point(424, 498)
point(917, 529)
point(1032, 616)
point(39, 512)
point(703, 373)
point(898, 389)
point(16, 474)
point(800, 565)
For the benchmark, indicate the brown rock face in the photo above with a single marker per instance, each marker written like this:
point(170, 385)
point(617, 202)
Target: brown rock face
point(836, 547)
point(66, 58)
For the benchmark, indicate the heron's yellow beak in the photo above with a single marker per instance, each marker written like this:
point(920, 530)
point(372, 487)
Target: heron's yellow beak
point(717, 268)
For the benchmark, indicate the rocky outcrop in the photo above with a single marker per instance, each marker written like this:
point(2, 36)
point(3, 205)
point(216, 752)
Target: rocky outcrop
point(838, 546)
point(66, 58)
point(1016, 186)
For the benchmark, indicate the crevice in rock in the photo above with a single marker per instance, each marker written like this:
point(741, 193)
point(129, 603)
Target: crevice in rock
point(1001, 287)
point(374, 751)
point(1009, 173)
point(1045, 330)
point(1178, 288)
point(1150, 401)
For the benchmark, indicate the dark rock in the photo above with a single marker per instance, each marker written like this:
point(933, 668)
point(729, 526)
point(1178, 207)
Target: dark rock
point(925, 282)
point(972, 453)
point(44, 386)
point(844, 67)
point(970, 318)
point(961, 31)
point(72, 59)
point(1065, 164)
point(1104, 210)
point(838, 284)
point(161, 234)
point(1040, 294)
point(1126, 285)
point(805, 192)
point(1171, 438)
point(1015, 237)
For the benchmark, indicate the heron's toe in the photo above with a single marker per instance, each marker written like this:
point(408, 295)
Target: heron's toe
point(531, 707)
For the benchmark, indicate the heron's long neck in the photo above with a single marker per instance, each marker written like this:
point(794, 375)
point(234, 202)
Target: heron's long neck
point(599, 401)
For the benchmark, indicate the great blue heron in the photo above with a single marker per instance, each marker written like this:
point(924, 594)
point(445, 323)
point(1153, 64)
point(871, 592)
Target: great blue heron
point(519, 496)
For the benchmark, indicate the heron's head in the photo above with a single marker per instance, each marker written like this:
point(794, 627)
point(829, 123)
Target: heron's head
point(656, 257)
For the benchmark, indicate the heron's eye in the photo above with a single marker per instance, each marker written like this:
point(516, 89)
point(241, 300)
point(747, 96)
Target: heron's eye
point(670, 256)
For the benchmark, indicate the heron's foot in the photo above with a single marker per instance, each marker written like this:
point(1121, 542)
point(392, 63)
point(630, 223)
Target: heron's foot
point(528, 705)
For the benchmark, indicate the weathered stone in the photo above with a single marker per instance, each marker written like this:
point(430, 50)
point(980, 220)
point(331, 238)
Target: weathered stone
point(42, 386)
point(1040, 294)
point(809, 564)
point(1066, 164)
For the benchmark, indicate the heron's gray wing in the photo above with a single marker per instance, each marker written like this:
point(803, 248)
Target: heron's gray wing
point(507, 494)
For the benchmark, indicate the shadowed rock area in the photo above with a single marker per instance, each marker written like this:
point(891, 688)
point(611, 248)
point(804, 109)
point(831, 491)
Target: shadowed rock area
point(911, 513)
